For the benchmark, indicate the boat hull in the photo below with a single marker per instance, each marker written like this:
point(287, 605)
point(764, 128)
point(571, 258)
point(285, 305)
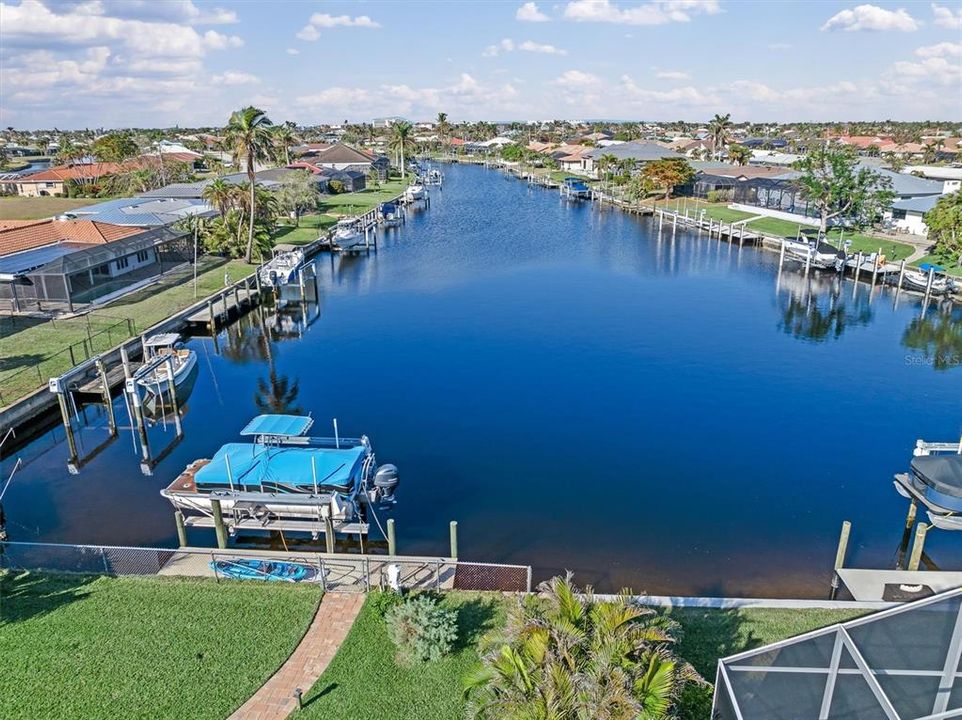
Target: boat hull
point(156, 382)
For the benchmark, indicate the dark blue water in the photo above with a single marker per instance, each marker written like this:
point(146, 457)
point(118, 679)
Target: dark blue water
point(655, 411)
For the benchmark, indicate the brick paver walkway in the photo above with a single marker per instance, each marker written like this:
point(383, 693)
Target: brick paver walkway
point(275, 699)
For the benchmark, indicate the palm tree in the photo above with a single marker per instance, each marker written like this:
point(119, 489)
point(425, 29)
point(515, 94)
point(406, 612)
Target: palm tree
point(605, 163)
point(401, 141)
point(443, 127)
point(284, 138)
point(220, 194)
point(249, 135)
point(568, 656)
point(718, 127)
point(739, 154)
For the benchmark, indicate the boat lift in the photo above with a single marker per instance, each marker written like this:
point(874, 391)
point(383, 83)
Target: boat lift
point(135, 407)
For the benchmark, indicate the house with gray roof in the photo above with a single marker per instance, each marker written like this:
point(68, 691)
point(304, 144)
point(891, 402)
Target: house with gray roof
point(142, 211)
point(640, 152)
point(908, 214)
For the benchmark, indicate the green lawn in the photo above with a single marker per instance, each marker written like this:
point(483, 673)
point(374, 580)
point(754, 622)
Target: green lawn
point(892, 249)
point(359, 203)
point(716, 211)
point(80, 647)
point(363, 681)
point(31, 208)
point(307, 231)
point(27, 343)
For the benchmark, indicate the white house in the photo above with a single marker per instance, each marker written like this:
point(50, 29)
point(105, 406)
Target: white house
point(908, 214)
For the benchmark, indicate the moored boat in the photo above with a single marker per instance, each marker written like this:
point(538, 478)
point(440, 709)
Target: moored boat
point(818, 254)
point(573, 187)
point(282, 268)
point(935, 480)
point(414, 192)
point(157, 350)
point(390, 214)
point(347, 234)
point(282, 474)
point(918, 280)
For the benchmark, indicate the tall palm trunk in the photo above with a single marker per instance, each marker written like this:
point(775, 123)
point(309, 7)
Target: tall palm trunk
point(250, 226)
point(402, 161)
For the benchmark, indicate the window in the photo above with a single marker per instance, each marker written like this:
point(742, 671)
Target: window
point(142, 256)
point(122, 263)
point(101, 270)
point(898, 214)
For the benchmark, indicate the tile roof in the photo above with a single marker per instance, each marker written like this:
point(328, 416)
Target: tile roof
point(83, 171)
point(38, 233)
point(341, 154)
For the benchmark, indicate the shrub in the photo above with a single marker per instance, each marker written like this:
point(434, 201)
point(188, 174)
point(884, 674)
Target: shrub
point(719, 196)
point(383, 601)
point(421, 629)
point(335, 187)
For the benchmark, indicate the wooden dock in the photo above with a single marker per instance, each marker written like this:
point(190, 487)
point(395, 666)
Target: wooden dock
point(230, 303)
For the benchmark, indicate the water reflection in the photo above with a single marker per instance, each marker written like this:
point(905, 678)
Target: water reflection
point(816, 309)
point(938, 337)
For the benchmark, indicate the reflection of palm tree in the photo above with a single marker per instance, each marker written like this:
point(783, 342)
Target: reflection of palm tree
point(277, 395)
point(807, 321)
point(937, 338)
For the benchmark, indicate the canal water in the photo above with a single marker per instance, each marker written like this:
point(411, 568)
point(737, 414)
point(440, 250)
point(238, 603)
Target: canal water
point(651, 410)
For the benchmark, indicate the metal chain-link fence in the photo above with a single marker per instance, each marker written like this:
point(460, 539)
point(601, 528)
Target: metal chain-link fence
point(333, 572)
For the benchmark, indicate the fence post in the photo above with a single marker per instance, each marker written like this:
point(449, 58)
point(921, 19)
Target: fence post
point(437, 574)
point(323, 574)
point(529, 578)
point(72, 360)
point(103, 555)
point(213, 564)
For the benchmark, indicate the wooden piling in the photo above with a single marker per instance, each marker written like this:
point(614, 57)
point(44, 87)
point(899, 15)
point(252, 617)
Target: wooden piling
point(916, 557)
point(901, 275)
point(391, 540)
point(454, 539)
point(68, 427)
point(172, 387)
point(781, 254)
point(840, 555)
point(219, 528)
point(105, 394)
point(181, 528)
point(212, 321)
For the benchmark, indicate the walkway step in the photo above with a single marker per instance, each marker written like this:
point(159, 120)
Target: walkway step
point(275, 700)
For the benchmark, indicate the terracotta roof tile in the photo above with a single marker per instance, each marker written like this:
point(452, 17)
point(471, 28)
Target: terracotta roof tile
point(38, 233)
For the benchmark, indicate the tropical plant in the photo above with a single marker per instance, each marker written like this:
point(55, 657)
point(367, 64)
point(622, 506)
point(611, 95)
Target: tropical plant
point(284, 137)
point(605, 164)
point(421, 629)
point(668, 173)
point(839, 187)
point(718, 127)
point(382, 601)
point(739, 154)
point(220, 194)
point(944, 222)
point(114, 147)
point(297, 194)
point(249, 136)
point(443, 127)
point(564, 655)
point(401, 142)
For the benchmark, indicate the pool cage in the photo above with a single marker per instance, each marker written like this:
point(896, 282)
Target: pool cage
point(772, 193)
point(85, 275)
point(897, 664)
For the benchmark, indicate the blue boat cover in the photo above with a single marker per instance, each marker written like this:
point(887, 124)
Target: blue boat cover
point(930, 266)
point(278, 425)
point(280, 469)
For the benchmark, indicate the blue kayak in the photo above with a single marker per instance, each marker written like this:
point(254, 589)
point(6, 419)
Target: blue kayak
point(250, 569)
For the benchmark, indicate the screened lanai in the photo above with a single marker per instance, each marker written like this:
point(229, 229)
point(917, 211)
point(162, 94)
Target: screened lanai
point(782, 194)
point(68, 274)
point(899, 664)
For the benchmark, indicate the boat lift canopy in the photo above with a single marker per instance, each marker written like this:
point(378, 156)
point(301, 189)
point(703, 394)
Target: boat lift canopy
point(162, 340)
point(279, 426)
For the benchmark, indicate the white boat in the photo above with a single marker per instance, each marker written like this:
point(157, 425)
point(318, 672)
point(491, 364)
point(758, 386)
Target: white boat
point(820, 255)
point(347, 234)
point(415, 192)
point(918, 280)
point(161, 347)
point(434, 177)
point(935, 480)
point(390, 214)
point(282, 268)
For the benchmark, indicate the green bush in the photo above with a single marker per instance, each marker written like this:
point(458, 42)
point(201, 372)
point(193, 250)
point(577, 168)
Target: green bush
point(719, 196)
point(335, 187)
point(421, 629)
point(383, 601)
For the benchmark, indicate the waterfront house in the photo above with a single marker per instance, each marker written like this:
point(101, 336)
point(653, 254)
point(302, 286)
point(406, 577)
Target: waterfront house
point(52, 181)
point(908, 215)
point(639, 152)
point(46, 264)
point(144, 211)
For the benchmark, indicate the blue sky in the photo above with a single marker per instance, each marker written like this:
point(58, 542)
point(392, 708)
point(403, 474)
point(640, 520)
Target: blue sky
point(110, 63)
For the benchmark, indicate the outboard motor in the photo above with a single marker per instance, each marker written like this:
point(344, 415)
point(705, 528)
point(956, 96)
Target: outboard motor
point(385, 482)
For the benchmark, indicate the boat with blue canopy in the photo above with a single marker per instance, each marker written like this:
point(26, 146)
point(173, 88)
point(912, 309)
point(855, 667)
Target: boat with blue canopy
point(573, 187)
point(281, 474)
point(390, 214)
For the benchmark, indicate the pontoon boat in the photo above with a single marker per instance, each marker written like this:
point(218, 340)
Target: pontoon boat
point(281, 474)
point(935, 480)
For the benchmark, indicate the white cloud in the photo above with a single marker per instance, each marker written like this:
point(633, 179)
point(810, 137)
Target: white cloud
point(531, 46)
point(672, 75)
point(235, 77)
point(218, 41)
point(508, 45)
point(293, 51)
point(871, 17)
point(658, 12)
point(529, 12)
point(945, 49)
point(311, 31)
point(177, 11)
point(946, 17)
point(937, 70)
point(576, 78)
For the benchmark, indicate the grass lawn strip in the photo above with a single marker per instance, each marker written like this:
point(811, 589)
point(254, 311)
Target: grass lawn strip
point(34, 208)
point(142, 647)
